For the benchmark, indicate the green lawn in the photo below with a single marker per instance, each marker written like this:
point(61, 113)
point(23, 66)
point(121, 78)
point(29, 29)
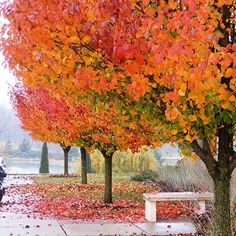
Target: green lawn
point(92, 178)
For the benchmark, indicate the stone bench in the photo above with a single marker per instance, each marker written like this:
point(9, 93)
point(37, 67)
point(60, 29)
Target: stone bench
point(198, 198)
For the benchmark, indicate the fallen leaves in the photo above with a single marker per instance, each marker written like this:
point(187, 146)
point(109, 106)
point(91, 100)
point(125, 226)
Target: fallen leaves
point(84, 202)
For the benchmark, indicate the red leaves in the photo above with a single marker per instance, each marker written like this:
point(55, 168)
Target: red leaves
point(84, 202)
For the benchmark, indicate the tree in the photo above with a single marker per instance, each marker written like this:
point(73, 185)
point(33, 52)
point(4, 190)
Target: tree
point(44, 165)
point(171, 61)
point(8, 148)
point(24, 146)
point(83, 165)
point(66, 150)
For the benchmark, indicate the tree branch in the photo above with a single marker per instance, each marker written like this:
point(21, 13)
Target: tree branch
point(208, 159)
point(207, 148)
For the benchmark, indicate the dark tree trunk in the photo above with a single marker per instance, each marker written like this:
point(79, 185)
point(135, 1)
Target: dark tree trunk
point(66, 152)
point(84, 179)
point(108, 179)
point(89, 164)
point(221, 215)
point(226, 155)
point(221, 219)
point(108, 176)
point(220, 170)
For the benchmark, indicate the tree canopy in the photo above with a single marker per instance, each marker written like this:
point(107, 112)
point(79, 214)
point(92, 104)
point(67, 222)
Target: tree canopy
point(165, 67)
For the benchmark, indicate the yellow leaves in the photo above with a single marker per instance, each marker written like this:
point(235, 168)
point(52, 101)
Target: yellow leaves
point(133, 125)
point(90, 16)
point(226, 105)
point(192, 118)
point(222, 25)
point(194, 157)
point(86, 39)
point(182, 89)
point(88, 61)
point(203, 117)
point(172, 4)
point(174, 132)
point(233, 84)
point(232, 98)
point(188, 138)
point(172, 113)
point(224, 94)
point(182, 122)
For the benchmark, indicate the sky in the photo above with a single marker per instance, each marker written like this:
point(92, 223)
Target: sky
point(6, 78)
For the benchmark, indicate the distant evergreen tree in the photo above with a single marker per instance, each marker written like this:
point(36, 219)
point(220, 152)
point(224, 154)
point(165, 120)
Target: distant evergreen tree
point(8, 148)
point(158, 156)
point(24, 146)
point(44, 165)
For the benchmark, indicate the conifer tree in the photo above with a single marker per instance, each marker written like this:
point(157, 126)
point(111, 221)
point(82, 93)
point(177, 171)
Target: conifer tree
point(44, 164)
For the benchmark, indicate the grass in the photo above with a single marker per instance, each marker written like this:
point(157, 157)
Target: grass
point(53, 188)
point(92, 178)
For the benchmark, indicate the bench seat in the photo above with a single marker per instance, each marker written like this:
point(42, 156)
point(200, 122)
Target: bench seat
point(198, 198)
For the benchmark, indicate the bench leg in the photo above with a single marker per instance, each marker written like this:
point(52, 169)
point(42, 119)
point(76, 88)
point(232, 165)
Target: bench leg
point(150, 211)
point(200, 207)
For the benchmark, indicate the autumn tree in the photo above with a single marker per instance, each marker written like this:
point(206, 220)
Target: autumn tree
point(189, 68)
point(72, 66)
point(180, 65)
point(48, 120)
point(171, 61)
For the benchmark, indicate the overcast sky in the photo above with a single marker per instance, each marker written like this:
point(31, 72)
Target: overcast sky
point(5, 78)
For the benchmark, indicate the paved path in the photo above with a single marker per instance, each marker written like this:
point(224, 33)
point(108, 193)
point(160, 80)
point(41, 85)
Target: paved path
point(20, 225)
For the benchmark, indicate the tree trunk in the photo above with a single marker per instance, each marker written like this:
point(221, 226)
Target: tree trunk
point(220, 169)
point(108, 179)
point(89, 164)
point(83, 166)
point(221, 219)
point(66, 152)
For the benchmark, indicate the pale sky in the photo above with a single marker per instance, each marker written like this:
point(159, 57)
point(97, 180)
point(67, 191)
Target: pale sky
point(5, 78)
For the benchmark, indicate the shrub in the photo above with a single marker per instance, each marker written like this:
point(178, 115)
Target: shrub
point(122, 162)
point(187, 176)
point(145, 176)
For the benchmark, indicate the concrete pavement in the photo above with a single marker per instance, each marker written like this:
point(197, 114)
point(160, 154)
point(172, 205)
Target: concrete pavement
point(21, 225)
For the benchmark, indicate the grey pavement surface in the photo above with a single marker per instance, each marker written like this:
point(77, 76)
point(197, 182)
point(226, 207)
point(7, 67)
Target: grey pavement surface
point(20, 225)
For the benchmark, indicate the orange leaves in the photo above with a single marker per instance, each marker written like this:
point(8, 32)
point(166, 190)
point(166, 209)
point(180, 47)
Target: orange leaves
point(138, 87)
point(173, 96)
point(172, 114)
point(160, 63)
point(220, 3)
point(182, 89)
